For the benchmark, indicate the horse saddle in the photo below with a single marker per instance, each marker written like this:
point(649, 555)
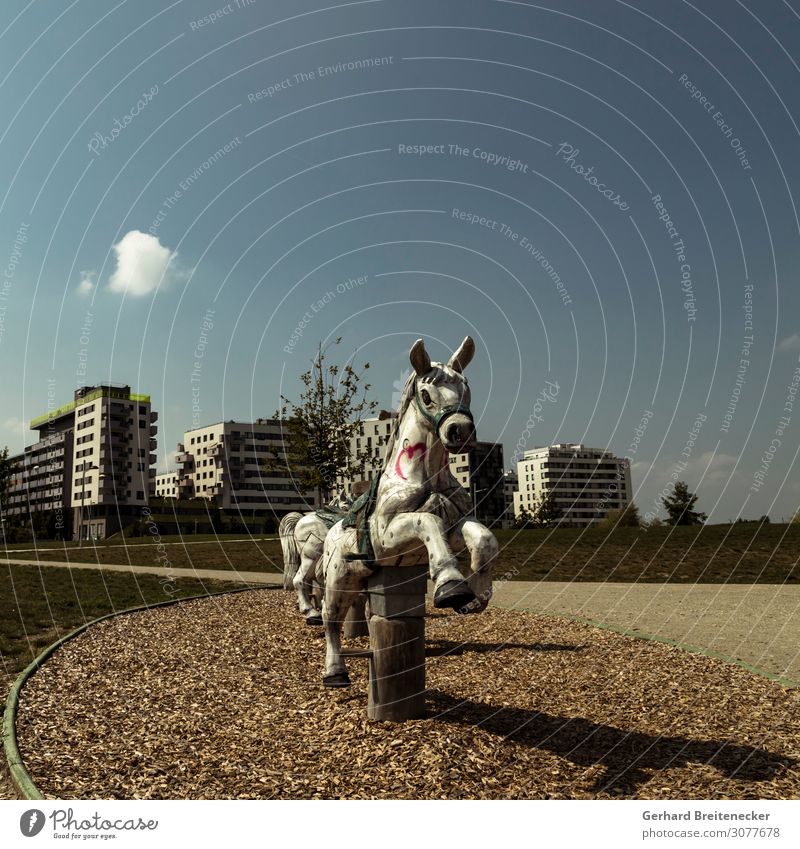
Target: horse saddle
point(358, 517)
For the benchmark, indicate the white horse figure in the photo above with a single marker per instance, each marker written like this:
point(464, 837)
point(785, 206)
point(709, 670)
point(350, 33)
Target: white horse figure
point(421, 512)
point(302, 538)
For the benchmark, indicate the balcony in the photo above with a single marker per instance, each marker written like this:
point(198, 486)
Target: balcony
point(153, 429)
point(153, 416)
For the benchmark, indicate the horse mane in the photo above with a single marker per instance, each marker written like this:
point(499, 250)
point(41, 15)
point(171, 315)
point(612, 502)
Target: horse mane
point(405, 400)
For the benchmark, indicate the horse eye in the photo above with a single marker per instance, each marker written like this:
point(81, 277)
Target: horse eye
point(426, 398)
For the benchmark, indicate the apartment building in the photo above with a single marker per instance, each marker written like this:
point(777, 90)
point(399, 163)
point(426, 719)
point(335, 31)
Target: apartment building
point(371, 439)
point(226, 462)
point(585, 483)
point(38, 478)
point(510, 486)
point(480, 472)
point(167, 485)
point(93, 459)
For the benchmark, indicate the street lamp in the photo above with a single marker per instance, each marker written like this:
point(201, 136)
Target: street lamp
point(475, 493)
point(83, 499)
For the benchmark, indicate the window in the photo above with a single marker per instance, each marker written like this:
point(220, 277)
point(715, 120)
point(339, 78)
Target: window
point(142, 410)
point(142, 423)
point(140, 495)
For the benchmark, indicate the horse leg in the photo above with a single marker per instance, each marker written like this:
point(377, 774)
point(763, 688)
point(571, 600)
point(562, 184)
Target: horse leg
point(304, 584)
point(343, 582)
point(483, 549)
point(428, 531)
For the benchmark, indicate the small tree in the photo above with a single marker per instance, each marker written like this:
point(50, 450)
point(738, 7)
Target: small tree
point(653, 522)
point(318, 429)
point(6, 471)
point(548, 513)
point(524, 520)
point(680, 506)
point(5, 481)
point(624, 517)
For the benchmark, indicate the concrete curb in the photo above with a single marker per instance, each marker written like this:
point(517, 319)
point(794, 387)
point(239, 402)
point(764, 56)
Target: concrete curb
point(20, 777)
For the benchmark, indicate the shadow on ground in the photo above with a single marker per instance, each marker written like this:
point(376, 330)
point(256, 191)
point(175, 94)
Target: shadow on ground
point(438, 648)
point(628, 757)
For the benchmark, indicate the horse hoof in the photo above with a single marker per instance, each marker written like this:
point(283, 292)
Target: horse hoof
point(453, 594)
point(338, 679)
point(314, 620)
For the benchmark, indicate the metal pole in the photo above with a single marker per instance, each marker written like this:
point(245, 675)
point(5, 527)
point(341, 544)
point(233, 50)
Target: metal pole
point(80, 516)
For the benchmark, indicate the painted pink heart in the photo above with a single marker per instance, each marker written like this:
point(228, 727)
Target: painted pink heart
point(409, 452)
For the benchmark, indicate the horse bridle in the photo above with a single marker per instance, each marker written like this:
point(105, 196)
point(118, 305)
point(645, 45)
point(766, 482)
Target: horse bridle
point(444, 413)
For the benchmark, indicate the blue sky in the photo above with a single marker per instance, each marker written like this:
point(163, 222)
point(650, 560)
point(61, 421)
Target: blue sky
point(601, 193)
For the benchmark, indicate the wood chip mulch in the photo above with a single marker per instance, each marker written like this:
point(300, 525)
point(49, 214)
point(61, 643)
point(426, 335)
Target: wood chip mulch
point(222, 698)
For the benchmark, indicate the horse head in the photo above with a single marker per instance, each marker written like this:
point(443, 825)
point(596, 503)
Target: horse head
point(442, 396)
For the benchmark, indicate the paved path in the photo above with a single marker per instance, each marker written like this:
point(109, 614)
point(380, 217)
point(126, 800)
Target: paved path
point(757, 624)
point(206, 574)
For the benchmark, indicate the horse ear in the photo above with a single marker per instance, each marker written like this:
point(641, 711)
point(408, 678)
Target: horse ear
point(419, 358)
point(463, 356)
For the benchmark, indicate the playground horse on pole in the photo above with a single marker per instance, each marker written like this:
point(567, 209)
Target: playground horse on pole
point(416, 512)
point(302, 538)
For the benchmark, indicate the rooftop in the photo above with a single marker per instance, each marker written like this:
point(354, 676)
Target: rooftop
point(85, 394)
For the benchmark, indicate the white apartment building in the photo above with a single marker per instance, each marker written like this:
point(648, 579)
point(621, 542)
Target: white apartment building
point(94, 458)
point(167, 485)
point(226, 462)
point(584, 482)
point(510, 486)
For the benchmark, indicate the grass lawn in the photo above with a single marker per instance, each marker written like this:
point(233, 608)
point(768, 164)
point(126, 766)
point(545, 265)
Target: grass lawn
point(739, 553)
point(37, 606)
point(188, 552)
point(119, 541)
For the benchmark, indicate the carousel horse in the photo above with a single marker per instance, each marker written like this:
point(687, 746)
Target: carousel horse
point(302, 537)
point(416, 511)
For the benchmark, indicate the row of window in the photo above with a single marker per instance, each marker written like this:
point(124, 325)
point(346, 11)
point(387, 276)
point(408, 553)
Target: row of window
point(81, 495)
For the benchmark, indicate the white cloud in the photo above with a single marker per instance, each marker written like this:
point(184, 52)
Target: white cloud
point(143, 264)
point(717, 460)
point(15, 426)
point(86, 283)
point(790, 343)
point(168, 464)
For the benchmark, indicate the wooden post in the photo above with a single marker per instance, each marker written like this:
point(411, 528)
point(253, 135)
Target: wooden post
point(355, 623)
point(397, 642)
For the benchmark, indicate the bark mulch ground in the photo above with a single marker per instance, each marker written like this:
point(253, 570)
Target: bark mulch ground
point(222, 698)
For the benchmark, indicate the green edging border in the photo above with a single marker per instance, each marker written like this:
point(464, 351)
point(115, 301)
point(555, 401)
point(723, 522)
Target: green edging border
point(16, 766)
point(653, 638)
